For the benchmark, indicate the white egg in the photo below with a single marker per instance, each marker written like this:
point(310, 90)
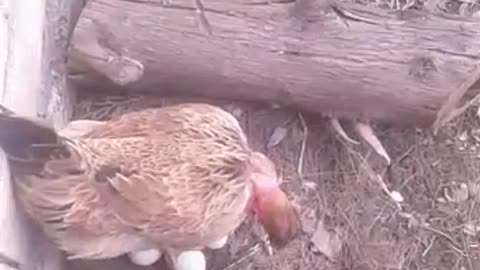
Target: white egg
point(191, 260)
point(144, 257)
point(219, 243)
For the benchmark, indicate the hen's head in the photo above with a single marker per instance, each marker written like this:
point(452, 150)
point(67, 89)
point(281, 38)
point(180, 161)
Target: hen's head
point(270, 204)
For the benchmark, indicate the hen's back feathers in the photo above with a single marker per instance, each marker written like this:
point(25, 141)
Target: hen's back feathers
point(168, 174)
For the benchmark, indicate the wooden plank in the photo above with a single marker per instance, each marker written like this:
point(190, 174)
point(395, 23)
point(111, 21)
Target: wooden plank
point(3, 41)
point(32, 83)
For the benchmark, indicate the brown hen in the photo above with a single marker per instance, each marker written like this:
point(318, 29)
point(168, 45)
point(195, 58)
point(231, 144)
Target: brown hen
point(176, 178)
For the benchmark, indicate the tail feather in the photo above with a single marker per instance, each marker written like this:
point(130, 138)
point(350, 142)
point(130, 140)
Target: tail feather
point(39, 156)
point(28, 144)
point(25, 166)
point(18, 135)
point(34, 148)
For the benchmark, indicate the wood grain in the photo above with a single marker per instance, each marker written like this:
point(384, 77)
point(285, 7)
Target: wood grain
point(357, 62)
point(32, 83)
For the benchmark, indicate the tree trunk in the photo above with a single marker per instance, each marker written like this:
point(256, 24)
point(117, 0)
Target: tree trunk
point(369, 63)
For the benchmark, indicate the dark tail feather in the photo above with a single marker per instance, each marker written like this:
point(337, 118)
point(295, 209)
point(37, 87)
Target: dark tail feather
point(18, 136)
point(25, 166)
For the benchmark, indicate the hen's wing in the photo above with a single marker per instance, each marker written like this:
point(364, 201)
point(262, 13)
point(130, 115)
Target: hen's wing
point(172, 173)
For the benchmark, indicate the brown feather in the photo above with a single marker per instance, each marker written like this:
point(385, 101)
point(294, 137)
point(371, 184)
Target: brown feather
point(279, 218)
point(176, 177)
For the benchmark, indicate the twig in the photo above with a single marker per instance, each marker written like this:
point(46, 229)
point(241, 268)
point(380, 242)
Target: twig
point(250, 252)
point(458, 111)
point(394, 195)
point(366, 132)
point(446, 236)
point(268, 246)
point(429, 246)
point(304, 145)
point(447, 111)
point(339, 129)
point(467, 250)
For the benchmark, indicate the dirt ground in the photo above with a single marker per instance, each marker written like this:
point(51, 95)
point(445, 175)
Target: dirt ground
point(349, 221)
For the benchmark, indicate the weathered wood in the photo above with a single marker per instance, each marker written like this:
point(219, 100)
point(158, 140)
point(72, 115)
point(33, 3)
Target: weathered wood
point(32, 83)
point(370, 63)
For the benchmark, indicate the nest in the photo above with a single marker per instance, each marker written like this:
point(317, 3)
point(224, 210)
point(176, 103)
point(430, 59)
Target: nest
point(349, 221)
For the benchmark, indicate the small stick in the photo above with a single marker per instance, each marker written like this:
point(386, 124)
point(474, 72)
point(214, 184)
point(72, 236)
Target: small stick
point(396, 197)
point(304, 145)
point(429, 246)
point(339, 129)
point(250, 252)
point(446, 236)
point(458, 111)
point(366, 132)
point(448, 108)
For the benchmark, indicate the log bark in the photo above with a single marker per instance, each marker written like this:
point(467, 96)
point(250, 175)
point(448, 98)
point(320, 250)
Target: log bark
point(32, 83)
point(368, 63)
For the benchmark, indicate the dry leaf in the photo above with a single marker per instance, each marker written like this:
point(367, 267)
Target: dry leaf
point(476, 135)
point(463, 137)
point(327, 243)
point(457, 194)
point(474, 189)
point(309, 184)
point(235, 110)
point(277, 136)
point(309, 221)
point(471, 229)
point(441, 200)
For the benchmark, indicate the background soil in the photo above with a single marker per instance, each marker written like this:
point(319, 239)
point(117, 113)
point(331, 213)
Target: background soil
point(349, 220)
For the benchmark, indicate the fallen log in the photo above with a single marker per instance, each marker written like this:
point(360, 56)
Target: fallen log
point(347, 61)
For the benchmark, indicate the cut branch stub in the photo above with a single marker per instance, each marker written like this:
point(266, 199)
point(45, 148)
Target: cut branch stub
point(88, 52)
